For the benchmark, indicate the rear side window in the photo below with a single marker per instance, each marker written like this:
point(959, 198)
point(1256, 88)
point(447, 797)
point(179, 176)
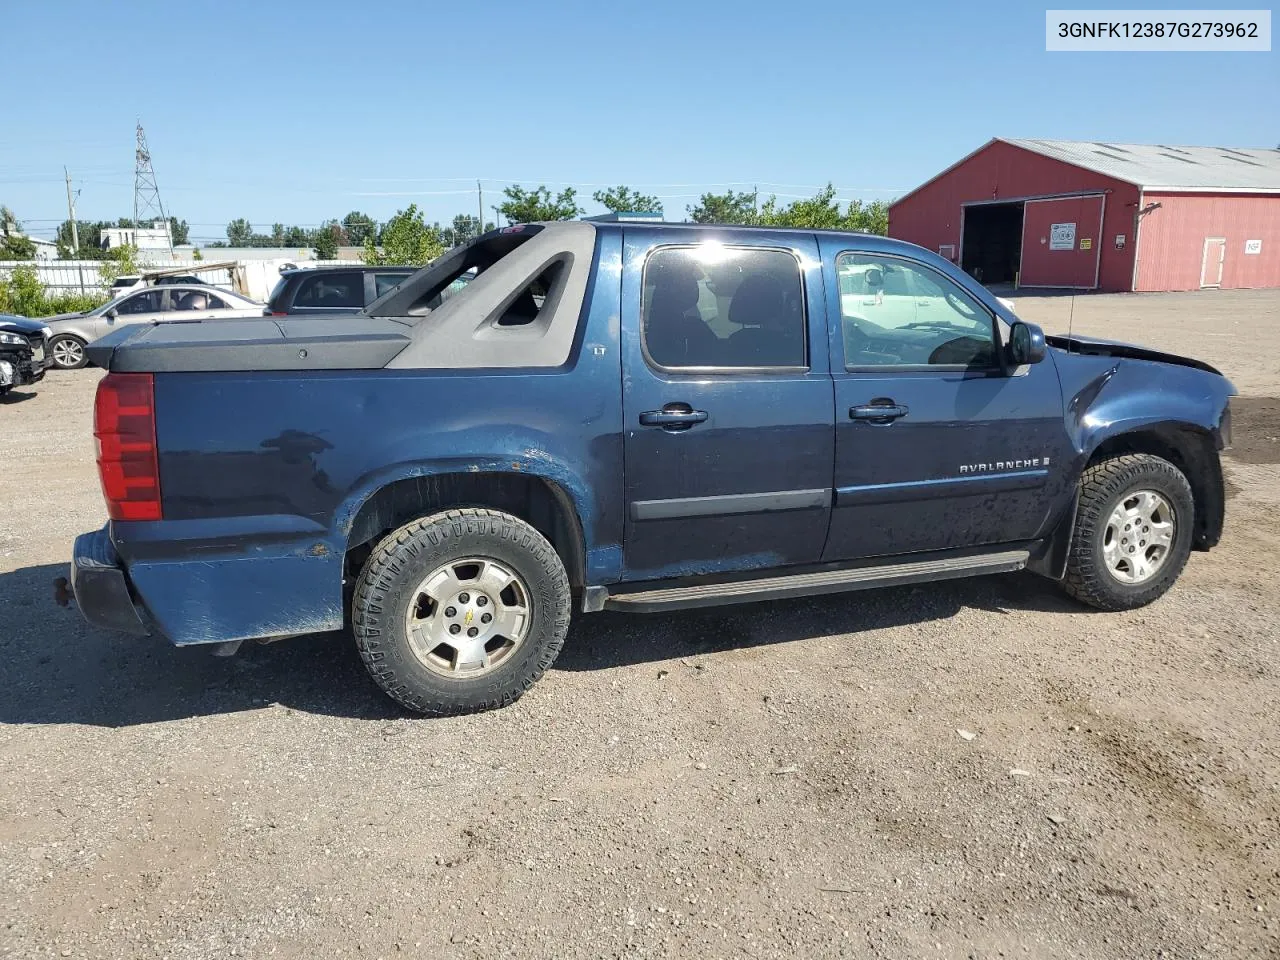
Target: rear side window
point(382, 282)
point(716, 307)
point(327, 290)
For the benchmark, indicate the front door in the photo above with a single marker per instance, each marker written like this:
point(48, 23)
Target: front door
point(727, 404)
point(1215, 254)
point(937, 446)
point(141, 307)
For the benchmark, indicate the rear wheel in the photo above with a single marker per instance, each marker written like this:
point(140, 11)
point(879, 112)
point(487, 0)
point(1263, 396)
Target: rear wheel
point(461, 611)
point(1132, 534)
point(67, 352)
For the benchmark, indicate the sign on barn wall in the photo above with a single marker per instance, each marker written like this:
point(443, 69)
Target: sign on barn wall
point(1062, 236)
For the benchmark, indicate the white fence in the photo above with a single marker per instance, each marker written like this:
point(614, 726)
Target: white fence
point(85, 276)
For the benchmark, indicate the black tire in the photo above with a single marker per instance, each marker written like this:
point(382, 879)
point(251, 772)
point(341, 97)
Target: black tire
point(67, 339)
point(389, 582)
point(1102, 487)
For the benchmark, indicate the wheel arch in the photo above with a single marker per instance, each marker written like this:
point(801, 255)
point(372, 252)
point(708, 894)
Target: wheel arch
point(1194, 451)
point(540, 501)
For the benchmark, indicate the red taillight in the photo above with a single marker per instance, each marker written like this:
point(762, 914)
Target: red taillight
point(124, 423)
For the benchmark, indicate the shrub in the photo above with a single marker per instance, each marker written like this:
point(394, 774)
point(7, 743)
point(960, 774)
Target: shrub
point(22, 293)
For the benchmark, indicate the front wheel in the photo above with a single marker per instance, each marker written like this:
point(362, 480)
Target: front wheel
point(67, 352)
point(461, 611)
point(1132, 533)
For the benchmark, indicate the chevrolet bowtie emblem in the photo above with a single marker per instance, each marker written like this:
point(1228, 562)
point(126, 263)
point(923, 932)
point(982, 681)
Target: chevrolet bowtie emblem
point(469, 617)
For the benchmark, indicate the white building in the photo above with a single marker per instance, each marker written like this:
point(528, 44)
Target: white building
point(155, 237)
point(45, 249)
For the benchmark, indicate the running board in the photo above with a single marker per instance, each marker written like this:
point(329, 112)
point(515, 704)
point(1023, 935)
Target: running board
point(808, 584)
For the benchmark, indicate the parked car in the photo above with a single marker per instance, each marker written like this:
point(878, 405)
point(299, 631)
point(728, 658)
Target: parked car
point(331, 289)
point(635, 417)
point(169, 302)
point(23, 349)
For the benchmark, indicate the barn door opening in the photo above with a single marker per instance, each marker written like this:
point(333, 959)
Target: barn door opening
point(1215, 253)
point(1061, 242)
point(991, 246)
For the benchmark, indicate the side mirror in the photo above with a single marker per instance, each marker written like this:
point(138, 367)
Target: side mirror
point(1026, 344)
point(112, 313)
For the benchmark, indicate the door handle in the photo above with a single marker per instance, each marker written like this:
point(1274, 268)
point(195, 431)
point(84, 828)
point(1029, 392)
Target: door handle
point(878, 412)
point(672, 417)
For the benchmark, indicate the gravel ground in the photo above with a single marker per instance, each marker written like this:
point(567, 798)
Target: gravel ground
point(774, 780)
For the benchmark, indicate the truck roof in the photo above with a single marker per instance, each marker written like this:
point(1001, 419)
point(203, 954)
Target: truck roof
point(877, 242)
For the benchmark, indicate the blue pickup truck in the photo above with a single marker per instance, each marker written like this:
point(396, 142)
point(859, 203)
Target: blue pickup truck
point(635, 417)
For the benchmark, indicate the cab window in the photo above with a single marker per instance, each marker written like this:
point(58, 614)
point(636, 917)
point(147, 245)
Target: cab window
point(898, 313)
point(715, 307)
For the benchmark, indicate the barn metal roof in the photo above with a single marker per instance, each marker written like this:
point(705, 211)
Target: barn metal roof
point(1162, 167)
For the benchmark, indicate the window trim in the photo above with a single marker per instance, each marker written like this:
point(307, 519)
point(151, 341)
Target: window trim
point(703, 371)
point(1001, 367)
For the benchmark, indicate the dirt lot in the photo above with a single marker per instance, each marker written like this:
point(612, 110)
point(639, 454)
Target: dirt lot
point(781, 780)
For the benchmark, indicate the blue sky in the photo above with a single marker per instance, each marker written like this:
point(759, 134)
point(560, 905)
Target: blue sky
point(304, 111)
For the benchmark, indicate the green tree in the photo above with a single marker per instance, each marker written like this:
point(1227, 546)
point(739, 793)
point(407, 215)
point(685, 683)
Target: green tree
point(359, 227)
point(297, 237)
point(464, 229)
point(327, 241)
point(406, 239)
point(240, 233)
point(727, 208)
point(622, 199)
point(277, 234)
point(536, 205)
point(875, 217)
point(13, 245)
point(119, 262)
point(179, 230)
point(90, 232)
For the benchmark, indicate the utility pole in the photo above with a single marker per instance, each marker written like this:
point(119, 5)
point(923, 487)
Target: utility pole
point(480, 204)
point(75, 229)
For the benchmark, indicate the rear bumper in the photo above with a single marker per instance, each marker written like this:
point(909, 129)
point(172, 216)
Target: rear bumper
point(100, 586)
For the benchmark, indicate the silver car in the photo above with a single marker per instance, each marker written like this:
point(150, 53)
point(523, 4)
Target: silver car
point(170, 302)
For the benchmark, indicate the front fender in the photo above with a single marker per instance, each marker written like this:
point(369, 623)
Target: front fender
point(1105, 398)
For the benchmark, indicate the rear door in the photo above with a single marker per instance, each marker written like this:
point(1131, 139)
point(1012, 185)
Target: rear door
point(938, 446)
point(727, 403)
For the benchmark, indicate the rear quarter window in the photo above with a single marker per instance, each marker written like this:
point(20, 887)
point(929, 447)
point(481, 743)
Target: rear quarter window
point(382, 282)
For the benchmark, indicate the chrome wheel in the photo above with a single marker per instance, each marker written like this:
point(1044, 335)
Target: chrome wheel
point(67, 353)
point(1139, 536)
point(467, 617)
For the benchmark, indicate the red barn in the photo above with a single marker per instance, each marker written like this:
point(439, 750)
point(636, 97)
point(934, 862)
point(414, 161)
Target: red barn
point(1103, 216)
